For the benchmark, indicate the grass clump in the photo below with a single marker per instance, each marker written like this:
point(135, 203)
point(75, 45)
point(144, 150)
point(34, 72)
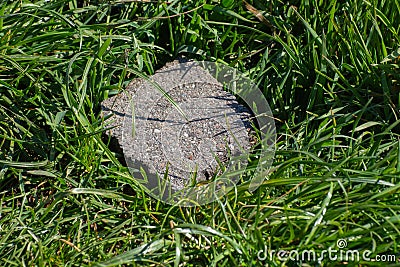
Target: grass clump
point(328, 69)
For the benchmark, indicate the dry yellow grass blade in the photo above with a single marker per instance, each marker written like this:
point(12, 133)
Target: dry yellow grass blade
point(258, 14)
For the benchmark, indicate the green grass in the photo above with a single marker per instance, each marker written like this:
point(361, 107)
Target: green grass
point(329, 70)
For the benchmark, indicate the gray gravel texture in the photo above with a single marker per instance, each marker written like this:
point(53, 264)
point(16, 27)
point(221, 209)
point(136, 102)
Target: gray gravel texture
point(158, 139)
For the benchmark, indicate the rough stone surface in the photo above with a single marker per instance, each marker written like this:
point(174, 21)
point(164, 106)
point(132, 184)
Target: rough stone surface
point(153, 133)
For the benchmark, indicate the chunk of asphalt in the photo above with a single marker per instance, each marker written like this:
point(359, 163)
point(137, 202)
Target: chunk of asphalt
point(154, 134)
